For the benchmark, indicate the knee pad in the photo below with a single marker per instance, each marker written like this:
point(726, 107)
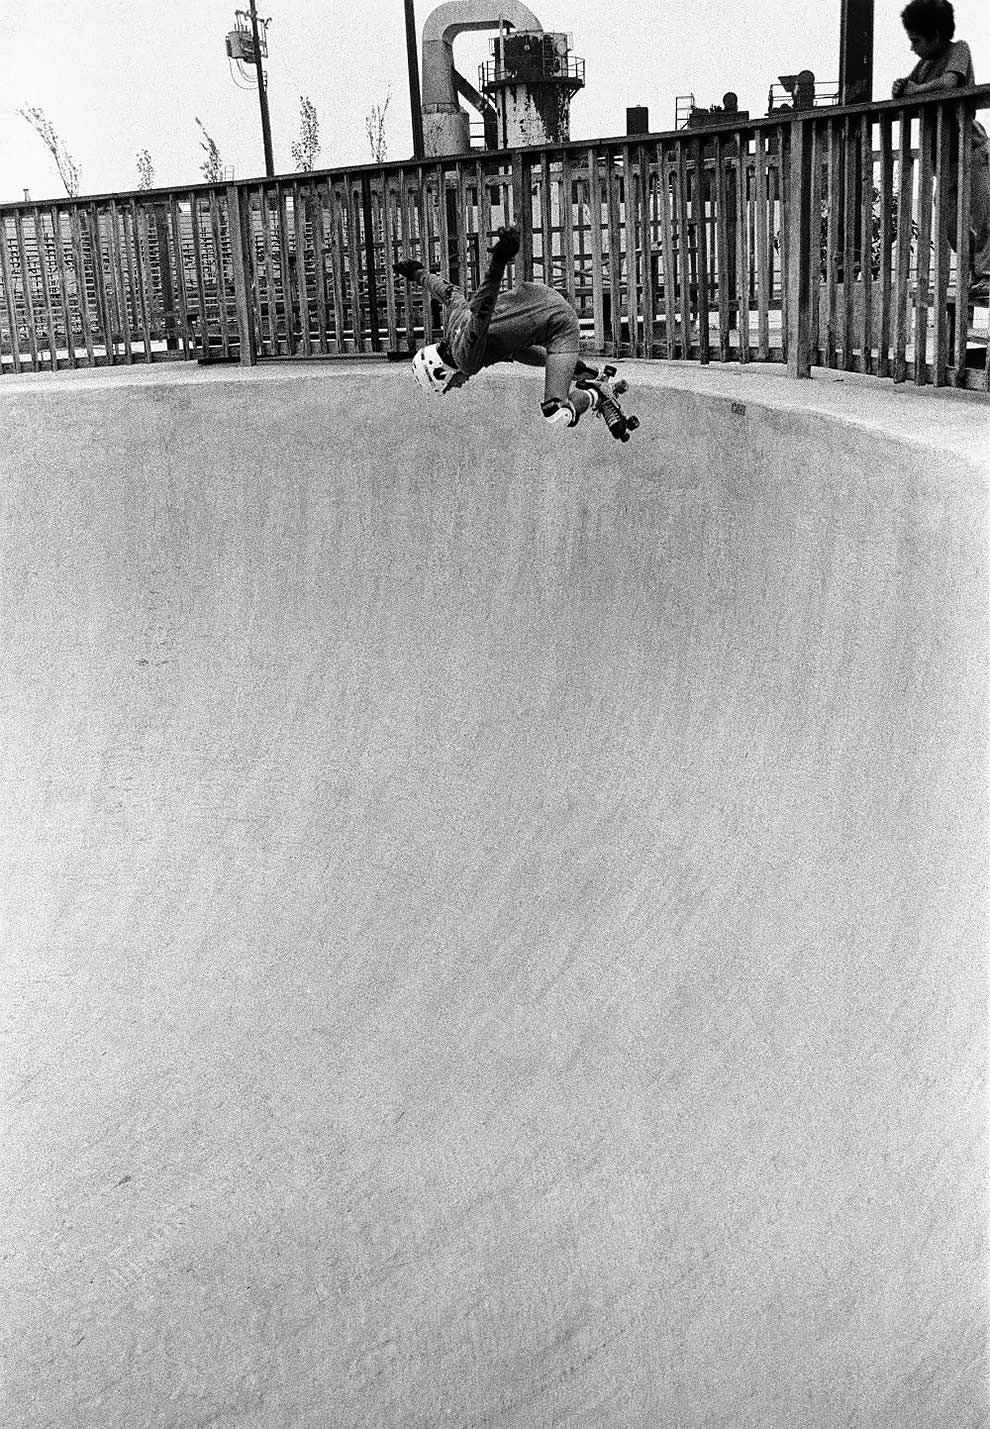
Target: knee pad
point(556, 412)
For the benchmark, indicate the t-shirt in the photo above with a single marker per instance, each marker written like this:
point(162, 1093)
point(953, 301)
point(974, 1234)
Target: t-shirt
point(954, 59)
point(527, 315)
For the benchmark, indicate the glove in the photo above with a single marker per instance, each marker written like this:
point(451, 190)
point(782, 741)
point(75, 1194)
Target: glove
point(408, 268)
point(506, 245)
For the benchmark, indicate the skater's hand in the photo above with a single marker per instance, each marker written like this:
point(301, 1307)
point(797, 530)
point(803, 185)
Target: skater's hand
point(506, 245)
point(408, 268)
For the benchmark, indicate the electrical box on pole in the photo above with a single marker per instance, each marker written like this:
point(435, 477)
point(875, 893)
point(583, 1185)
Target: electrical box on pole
point(247, 45)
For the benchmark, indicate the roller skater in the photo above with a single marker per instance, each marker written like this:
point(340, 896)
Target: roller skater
point(531, 324)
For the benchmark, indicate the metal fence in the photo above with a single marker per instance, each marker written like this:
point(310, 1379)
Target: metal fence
point(819, 238)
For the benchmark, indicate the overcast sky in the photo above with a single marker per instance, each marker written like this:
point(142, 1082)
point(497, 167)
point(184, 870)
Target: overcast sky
point(118, 76)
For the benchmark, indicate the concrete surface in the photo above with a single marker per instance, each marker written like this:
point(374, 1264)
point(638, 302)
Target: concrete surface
point(494, 921)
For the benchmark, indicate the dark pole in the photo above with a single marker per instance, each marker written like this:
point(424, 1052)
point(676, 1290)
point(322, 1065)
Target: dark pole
point(415, 103)
point(266, 126)
point(856, 52)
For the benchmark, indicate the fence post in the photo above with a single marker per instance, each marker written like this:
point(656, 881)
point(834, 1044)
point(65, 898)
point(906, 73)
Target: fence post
point(522, 211)
point(239, 258)
point(160, 216)
point(802, 226)
point(369, 263)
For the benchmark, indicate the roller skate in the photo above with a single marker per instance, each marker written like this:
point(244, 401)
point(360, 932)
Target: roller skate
point(604, 402)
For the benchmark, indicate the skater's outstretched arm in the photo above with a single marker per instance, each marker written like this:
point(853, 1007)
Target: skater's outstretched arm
point(438, 288)
point(482, 303)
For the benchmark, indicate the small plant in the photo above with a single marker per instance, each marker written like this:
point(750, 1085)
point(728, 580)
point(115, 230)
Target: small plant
point(212, 166)
point(304, 153)
point(375, 126)
point(68, 170)
point(146, 170)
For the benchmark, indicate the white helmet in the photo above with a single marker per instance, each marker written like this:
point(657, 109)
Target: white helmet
point(431, 371)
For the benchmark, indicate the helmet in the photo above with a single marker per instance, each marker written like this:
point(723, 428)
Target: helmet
point(431, 371)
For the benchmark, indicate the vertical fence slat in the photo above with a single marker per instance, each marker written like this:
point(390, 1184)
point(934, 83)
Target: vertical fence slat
point(46, 290)
point(79, 255)
point(484, 216)
point(850, 211)
point(701, 242)
point(373, 211)
point(285, 315)
point(633, 248)
point(940, 293)
point(26, 296)
point(817, 202)
point(389, 213)
point(142, 260)
point(61, 262)
point(546, 219)
point(742, 246)
point(761, 214)
point(832, 232)
point(335, 215)
point(197, 245)
point(800, 290)
point(963, 117)
point(343, 267)
point(10, 301)
point(522, 211)
point(116, 248)
point(567, 224)
point(101, 300)
point(426, 214)
point(647, 173)
point(407, 249)
point(926, 137)
point(270, 308)
point(903, 246)
point(597, 249)
point(866, 229)
point(720, 181)
point(352, 268)
point(179, 271)
point(683, 249)
point(615, 253)
point(886, 240)
point(667, 252)
point(240, 265)
point(162, 265)
point(320, 268)
point(219, 223)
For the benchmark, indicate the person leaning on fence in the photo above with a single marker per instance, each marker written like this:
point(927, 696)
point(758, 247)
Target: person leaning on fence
point(531, 324)
point(945, 63)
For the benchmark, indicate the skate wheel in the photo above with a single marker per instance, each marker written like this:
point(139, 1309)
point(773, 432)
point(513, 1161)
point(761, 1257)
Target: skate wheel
point(619, 387)
point(608, 370)
point(632, 423)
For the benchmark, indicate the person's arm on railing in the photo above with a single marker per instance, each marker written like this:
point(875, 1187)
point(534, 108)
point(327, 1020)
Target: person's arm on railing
point(900, 87)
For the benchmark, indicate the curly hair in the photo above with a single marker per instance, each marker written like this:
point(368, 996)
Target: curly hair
point(930, 18)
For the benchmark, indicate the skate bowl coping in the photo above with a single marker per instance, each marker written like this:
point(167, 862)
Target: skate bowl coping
point(494, 918)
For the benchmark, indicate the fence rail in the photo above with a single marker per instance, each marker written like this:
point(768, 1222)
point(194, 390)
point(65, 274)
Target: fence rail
point(832, 237)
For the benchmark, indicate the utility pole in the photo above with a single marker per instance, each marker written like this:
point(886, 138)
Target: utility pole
point(248, 44)
point(415, 103)
point(856, 52)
